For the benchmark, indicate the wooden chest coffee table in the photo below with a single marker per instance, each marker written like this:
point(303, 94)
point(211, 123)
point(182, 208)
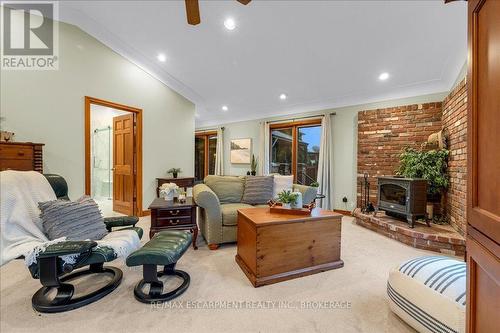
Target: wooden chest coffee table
point(276, 247)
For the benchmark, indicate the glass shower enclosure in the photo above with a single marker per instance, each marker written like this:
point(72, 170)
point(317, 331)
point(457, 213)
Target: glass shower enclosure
point(102, 163)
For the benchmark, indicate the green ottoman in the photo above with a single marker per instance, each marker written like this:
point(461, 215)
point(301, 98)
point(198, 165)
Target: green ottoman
point(165, 249)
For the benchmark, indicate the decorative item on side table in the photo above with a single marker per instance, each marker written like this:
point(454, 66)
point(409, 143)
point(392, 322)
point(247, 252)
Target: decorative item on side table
point(170, 215)
point(169, 191)
point(174, 172)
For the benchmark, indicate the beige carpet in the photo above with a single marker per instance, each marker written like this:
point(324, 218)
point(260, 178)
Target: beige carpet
point(215, 277)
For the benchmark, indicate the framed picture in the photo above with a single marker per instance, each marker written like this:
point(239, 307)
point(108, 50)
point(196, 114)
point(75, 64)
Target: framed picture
point(241, 151)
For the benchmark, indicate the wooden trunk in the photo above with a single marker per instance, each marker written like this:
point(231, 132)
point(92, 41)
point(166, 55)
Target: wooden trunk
point(276, 247)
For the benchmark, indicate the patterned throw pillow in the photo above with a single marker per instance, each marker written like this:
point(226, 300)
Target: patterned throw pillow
point(258, 190)
point(75, 220)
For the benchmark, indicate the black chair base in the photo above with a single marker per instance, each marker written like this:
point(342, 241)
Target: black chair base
point(64, 301)
point(155, 294)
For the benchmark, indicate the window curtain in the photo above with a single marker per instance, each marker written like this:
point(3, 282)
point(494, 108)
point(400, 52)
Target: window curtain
point(264, 149)
point(219, 153)
point(325, 163)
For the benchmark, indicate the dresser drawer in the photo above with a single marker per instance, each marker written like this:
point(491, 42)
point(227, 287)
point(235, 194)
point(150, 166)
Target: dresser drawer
point(173, 221)
point(174, 212)
point(20, 165)
point(16, 152)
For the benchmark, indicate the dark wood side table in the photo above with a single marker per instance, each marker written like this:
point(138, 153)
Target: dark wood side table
point(169, 215)
point(181, 182)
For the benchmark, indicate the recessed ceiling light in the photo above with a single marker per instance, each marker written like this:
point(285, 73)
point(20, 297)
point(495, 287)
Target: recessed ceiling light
point(384, 76)
point(225, 108)
point(229, 24)
point(283, 96)
point(161, 57)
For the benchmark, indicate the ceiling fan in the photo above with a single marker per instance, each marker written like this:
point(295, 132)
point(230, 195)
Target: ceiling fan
point(193, 10)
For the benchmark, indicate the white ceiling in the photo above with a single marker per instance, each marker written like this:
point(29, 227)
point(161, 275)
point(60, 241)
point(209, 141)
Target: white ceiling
point(322, 54)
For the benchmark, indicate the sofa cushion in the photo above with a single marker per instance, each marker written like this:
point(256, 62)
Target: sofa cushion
point(230, 213)
point(229, 189)
point(75, 220)
point(282, 183)
point(258, 190)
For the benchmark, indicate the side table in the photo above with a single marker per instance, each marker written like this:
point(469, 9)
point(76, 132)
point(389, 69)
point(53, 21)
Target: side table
point(170, 215)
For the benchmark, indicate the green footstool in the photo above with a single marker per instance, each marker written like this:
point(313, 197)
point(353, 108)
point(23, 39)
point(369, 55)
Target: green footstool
point(165, 249)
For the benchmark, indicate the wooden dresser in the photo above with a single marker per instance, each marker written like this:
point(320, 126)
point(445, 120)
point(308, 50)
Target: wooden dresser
point(22, 156)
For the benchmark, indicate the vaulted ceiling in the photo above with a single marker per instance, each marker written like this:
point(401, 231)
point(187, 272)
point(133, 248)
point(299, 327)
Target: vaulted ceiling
point(321, 54)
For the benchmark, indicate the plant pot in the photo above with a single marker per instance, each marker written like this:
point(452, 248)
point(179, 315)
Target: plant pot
point(174, 175)
point(286, 205)
point(169, 196)
point(253, 173)
point(248, 173)
point(298, 202)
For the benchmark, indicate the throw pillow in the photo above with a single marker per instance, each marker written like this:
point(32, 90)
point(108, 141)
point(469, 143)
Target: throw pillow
point(282, 183)
point(258, 190)
point(75, 220)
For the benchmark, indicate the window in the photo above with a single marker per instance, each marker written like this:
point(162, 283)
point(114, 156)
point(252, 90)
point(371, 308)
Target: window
point(295, 150)
point(204, 154)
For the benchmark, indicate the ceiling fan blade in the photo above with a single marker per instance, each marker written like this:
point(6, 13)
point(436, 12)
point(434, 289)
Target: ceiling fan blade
point(193, 12)
point(245, 2)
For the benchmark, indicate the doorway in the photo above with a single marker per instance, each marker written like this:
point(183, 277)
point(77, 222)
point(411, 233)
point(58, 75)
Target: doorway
point(113, 156)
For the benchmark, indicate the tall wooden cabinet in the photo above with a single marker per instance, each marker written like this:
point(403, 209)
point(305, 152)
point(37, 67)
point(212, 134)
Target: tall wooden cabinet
point(22, 156)
point(483, 167)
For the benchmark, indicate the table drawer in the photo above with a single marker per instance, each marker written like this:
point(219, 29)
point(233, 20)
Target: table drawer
point(20, 165)
point(173, 221)
point(175, 212)
point(16, 152)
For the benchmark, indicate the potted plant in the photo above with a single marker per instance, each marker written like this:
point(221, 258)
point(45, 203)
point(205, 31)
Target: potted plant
point(287, 198)
point(431, 165)
point(174, 172)
point(253, 165)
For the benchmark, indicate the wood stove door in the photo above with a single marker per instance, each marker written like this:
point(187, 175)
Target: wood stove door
point(393, 197)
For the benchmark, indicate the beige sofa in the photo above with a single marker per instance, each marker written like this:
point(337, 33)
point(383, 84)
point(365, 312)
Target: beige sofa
point(219, 199)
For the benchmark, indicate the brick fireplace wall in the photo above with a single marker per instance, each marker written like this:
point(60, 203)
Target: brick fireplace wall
point(455, 129)
point(383, 133)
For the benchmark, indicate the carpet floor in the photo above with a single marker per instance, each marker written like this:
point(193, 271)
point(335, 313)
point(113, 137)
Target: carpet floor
point(221, 299)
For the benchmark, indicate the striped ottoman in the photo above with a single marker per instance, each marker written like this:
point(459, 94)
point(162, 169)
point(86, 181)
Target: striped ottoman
point(428, 293)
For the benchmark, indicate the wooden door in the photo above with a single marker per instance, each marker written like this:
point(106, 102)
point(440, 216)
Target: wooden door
point(123, 164)
point(483, 184)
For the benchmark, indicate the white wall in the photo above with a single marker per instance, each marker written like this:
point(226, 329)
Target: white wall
point(48, 107)
point(345, 134)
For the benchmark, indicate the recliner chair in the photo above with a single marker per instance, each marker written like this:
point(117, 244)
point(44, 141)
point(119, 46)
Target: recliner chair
point(55, 274)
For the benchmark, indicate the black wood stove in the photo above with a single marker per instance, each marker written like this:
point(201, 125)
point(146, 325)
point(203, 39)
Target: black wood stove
point(402, 197)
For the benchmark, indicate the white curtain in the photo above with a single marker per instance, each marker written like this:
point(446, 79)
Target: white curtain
point(325, 163)
point(264, 149)
point(219, 152)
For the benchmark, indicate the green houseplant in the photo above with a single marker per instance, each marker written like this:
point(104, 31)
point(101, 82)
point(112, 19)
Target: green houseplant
point(174, 172)
point(431, 165)
point(287, 198)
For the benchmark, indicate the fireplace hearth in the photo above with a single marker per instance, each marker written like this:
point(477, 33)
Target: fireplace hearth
point(402, 197)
